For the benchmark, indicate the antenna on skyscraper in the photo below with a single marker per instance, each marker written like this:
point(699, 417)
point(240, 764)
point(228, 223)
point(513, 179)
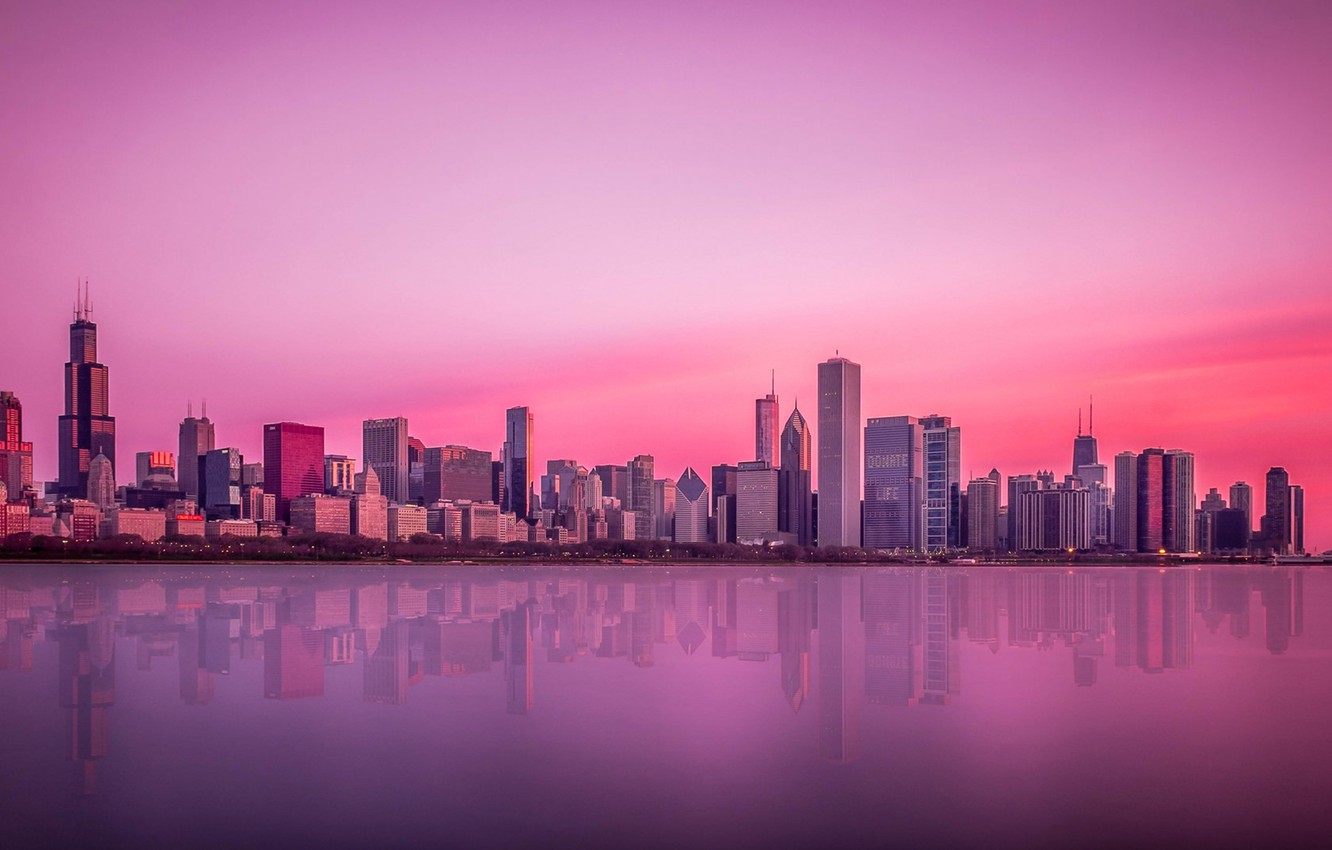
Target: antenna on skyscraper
point(1090, 431)
point(205, 408)
point(189, 409)
point(774, 382)
point(1079, 421)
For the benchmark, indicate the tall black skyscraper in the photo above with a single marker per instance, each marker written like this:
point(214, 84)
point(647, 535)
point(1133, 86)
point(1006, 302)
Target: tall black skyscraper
point(86, 429)
point(1084, 445)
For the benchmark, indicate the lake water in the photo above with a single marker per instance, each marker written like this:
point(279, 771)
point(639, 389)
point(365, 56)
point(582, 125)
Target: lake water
point(690, 707)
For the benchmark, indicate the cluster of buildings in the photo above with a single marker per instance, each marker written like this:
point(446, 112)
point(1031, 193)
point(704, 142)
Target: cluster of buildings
point(890, 483)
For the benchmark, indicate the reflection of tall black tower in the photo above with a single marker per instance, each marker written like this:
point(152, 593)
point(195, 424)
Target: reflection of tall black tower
point(516, 633)
point(795, 616)
point(841, 666)
point(86, 429)
point(88, 690)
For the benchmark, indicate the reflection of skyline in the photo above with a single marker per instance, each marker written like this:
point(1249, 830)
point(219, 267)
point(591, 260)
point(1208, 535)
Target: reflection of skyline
point(850, 640)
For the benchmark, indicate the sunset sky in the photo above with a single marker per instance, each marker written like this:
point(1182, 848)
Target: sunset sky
point(624, 215)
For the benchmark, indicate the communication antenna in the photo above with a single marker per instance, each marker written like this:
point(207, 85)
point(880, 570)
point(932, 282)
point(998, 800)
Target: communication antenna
point(774, 382)
point(189, 409)
point(1089, 415)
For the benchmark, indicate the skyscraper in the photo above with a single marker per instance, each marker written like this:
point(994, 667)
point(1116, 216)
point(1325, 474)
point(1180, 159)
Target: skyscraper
point(691, 508)
point(196, 439)
point(1151, 500)
point(1296, 519)
point(765, 427)
point(640, 493)
point(942, 468)
point(1126, 501)
point(518, 457)
point(1180, 501)
point(839, 453)
point(384, 446)
point(15, 454)
point(1084, 445)
point(983, 513)
point(1276, 529)
point(893, 483)
point(101, 483)
point(220, 483)
point(86, 429)
point(1241, 498)
point(795, 508)
point(756, 502)
point(456, 472)
point(293, 463)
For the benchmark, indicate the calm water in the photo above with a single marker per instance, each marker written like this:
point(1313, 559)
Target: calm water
point(693, 708)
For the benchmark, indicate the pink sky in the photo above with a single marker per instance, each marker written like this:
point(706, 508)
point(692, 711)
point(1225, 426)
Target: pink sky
point(624, 215)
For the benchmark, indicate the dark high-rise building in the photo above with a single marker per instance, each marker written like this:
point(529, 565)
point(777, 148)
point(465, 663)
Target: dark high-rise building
point(457, 472)
point(613, 480)
point(197, 438)
point(640, 492)
point(1241, 498)
point(519, 457)
point(497, 488)
point(1084, 445)
point(1151, 500)
point(1277, 534)
point(86, 428)
point(795, 509)
point(15, 454)
point(725, 485)
point(384, 449)
point(894, 485)
point(293, 463)
point(1296, 519)
point(1126, 501)
point(220, 483)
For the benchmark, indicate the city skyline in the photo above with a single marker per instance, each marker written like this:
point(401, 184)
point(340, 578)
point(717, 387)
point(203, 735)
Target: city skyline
point(1105, 199)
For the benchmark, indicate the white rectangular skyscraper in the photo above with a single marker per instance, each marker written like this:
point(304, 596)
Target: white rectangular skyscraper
point(839, 453)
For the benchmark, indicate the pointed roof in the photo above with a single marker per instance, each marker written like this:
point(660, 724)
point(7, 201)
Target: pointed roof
point(691, 486)
point(367, 482)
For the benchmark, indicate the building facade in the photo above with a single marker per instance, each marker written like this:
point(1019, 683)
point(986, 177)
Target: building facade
point(384, 448)
point(839, 453)
point(293, 463)
point(894, 457)
point(86, 428)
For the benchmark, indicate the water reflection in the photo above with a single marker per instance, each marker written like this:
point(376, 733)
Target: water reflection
point(849, 641)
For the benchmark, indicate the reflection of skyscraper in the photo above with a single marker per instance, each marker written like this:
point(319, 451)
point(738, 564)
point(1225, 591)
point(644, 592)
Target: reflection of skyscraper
point(755, 619)
point(86, 428)
point(87, 689)
point(516, 634)
point(890, 627)
point(839, 453)
point(293, 663)
point(841, 665)
point(795, 615)
point(387, 669)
